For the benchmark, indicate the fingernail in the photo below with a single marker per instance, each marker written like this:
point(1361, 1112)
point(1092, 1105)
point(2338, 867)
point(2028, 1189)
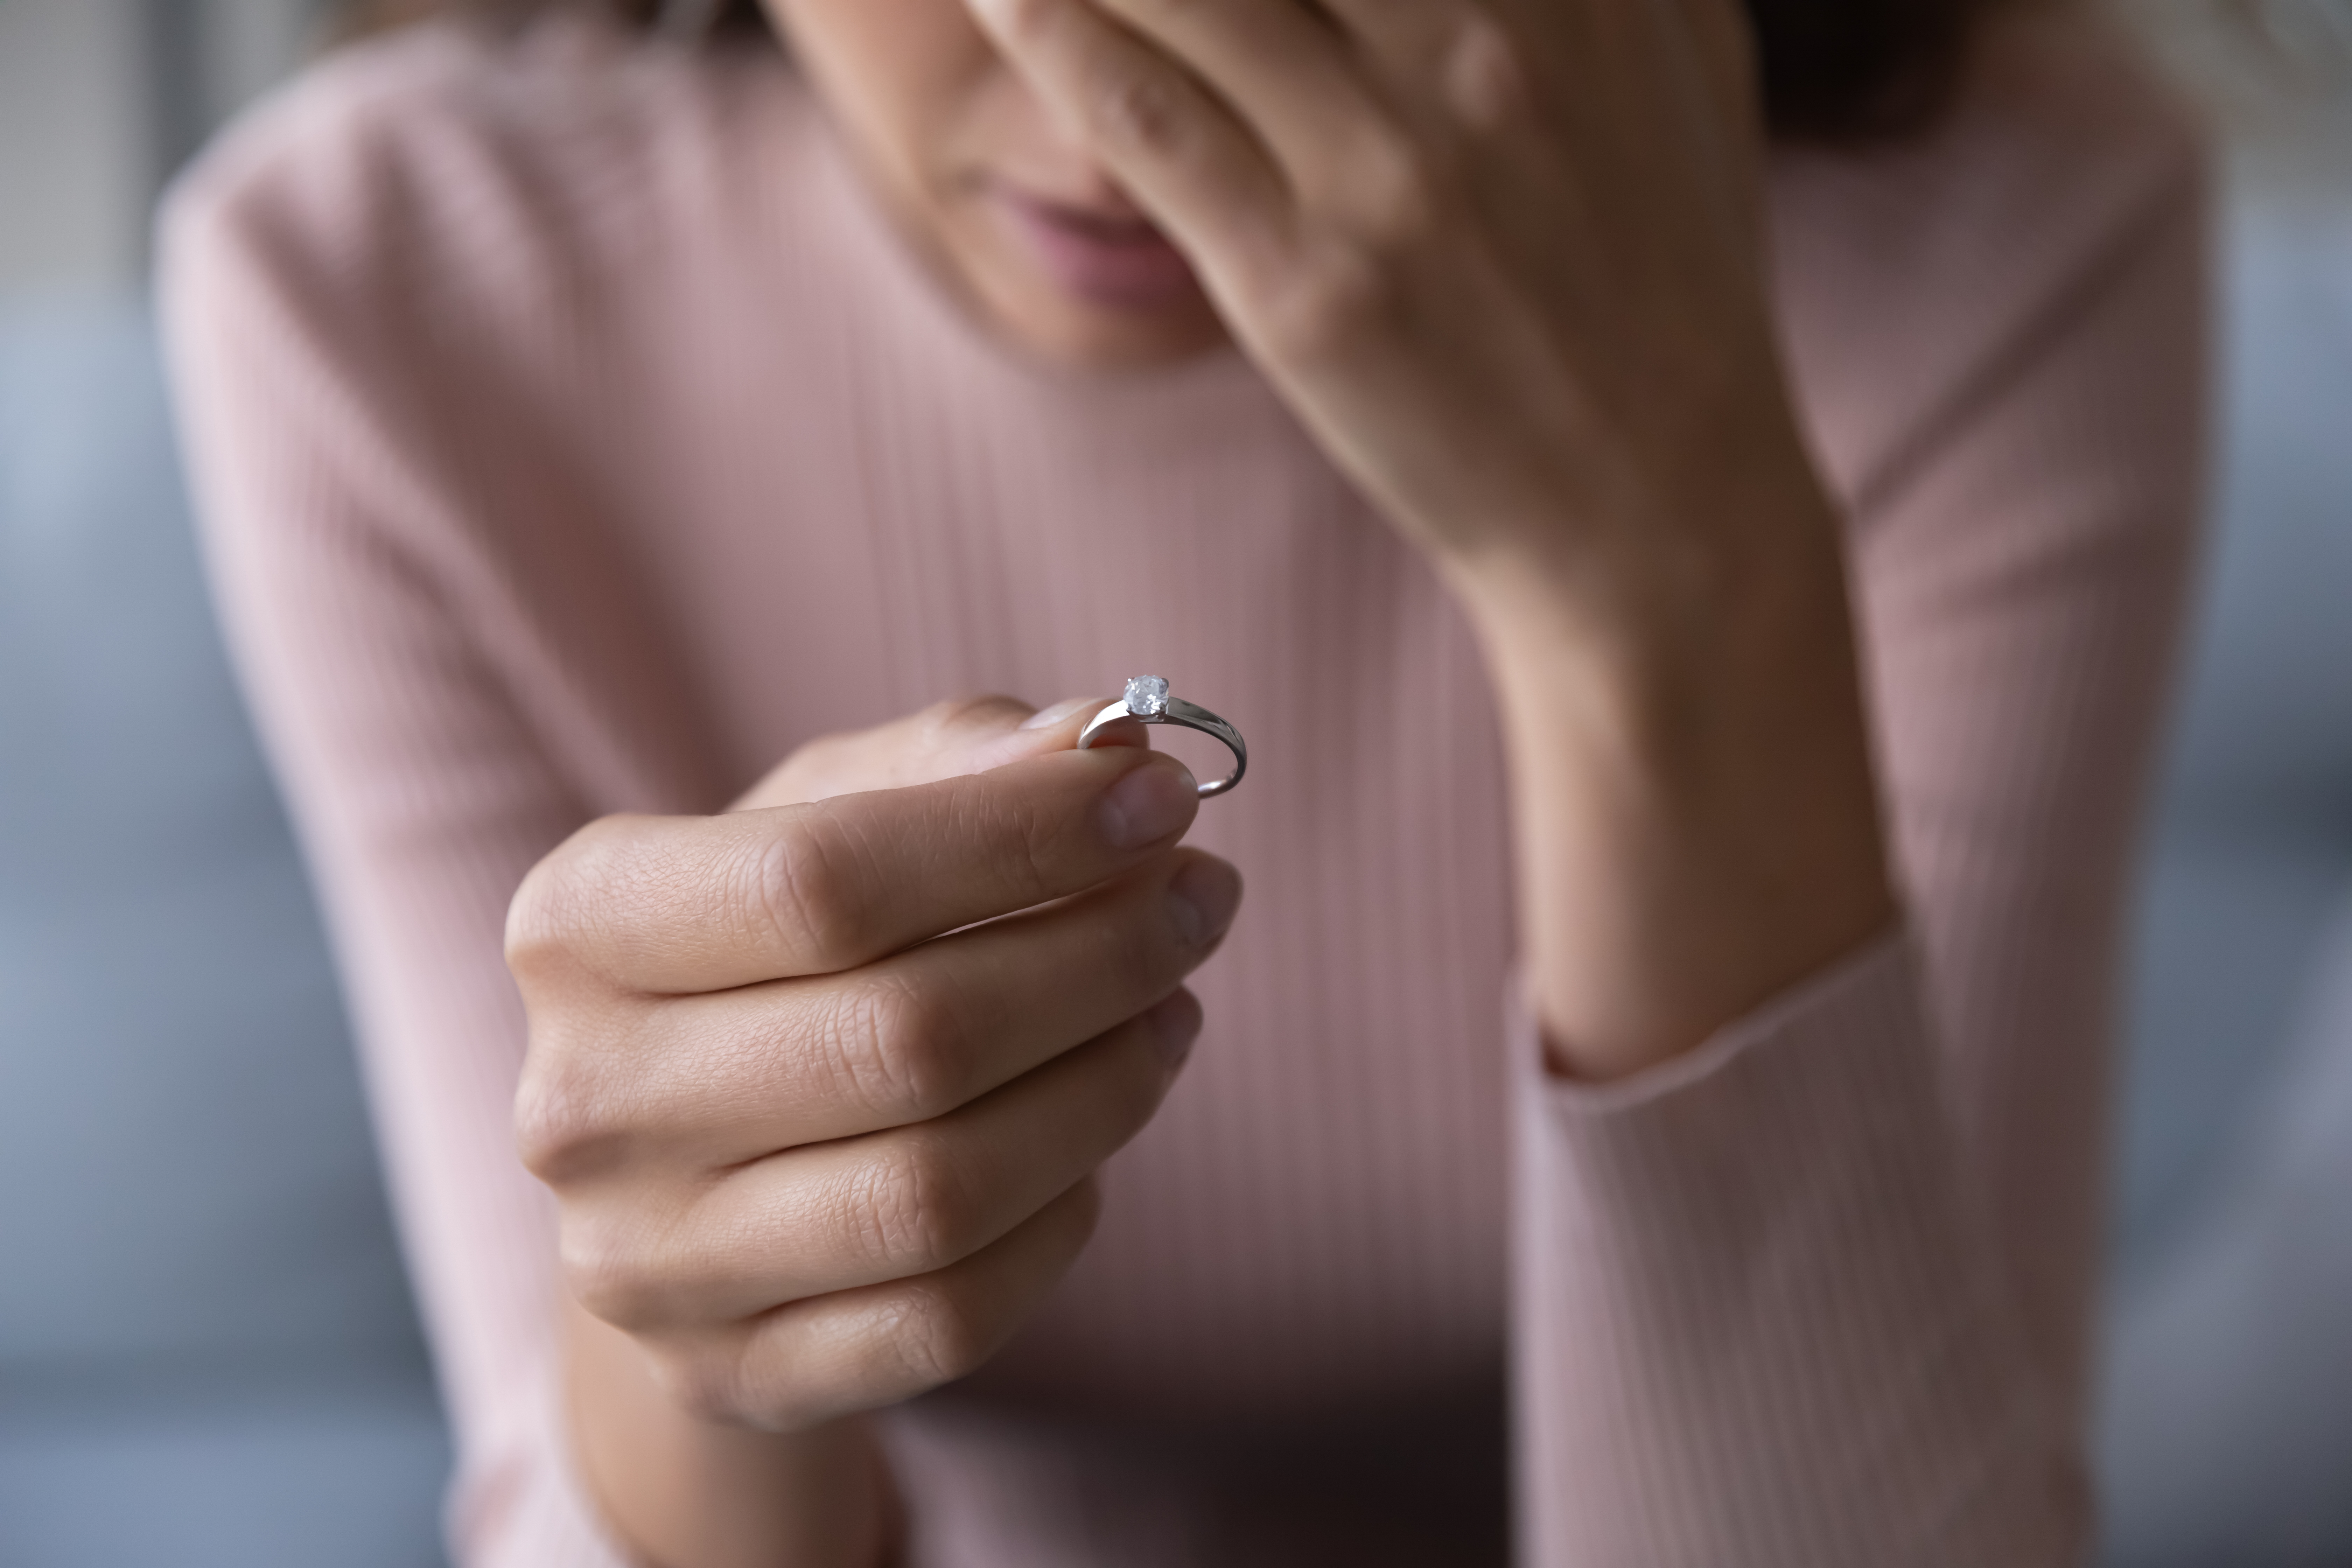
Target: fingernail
point(1046, 718)
point(1202, 898)
point(1150, 804)
point(1175, 1025)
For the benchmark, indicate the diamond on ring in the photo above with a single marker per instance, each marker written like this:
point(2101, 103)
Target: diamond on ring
point(1147, 696)
point(1148, 702)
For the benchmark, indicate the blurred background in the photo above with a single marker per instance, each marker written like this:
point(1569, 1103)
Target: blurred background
point(207, 1350)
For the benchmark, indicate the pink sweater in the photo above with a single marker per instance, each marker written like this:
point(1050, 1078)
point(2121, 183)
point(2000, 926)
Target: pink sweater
point(573, 438)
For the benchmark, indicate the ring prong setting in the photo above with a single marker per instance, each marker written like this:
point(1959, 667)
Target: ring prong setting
point(1147, 696)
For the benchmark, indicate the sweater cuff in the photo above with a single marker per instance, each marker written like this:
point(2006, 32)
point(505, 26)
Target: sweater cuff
point(1757, 1319)
point(1873, 977)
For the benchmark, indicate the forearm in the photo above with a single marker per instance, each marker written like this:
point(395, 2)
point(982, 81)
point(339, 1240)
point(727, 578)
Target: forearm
point(1755, 1289)
point(683, 1492)
point(1695, 815)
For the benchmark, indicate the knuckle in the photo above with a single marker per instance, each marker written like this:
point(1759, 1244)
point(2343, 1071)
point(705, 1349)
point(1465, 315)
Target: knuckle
point(536, 941)
point(1141, 112)
point(564, 899)
point(916, 1213)
point(550, 1131)
point(565, 1125)
point(807, 890)
point(897, 1051)
point(940, 1338)
point(1330, 306)
point(610, 1275)
point(1036, 840)
point(1393, 192)
point(1019, 836)
point(1483, 77)
point(580, 911)
point(1353, 286)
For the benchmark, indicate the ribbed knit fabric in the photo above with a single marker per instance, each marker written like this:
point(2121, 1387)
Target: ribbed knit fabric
point(573, 439)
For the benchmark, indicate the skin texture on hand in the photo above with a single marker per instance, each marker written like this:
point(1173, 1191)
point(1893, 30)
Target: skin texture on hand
point(820, 1085)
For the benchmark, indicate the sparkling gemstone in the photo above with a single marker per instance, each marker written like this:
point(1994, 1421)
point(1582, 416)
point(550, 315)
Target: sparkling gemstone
point(1147, 696)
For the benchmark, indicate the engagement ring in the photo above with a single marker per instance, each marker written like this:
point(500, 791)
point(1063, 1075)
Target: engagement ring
point(1147, 702)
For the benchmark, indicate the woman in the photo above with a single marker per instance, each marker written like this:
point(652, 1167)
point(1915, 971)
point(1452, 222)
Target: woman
point(588, 421)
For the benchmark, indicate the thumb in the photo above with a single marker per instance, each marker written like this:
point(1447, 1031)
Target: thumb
point(948, 740)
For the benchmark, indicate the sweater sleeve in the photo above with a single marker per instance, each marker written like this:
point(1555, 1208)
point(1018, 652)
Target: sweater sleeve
point(379, 650)
point(1816, 1294)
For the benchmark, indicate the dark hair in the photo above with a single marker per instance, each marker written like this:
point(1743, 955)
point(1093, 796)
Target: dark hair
point(1839, 70)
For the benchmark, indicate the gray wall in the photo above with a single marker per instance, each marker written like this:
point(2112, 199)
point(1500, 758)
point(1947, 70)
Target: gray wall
point(100, 101)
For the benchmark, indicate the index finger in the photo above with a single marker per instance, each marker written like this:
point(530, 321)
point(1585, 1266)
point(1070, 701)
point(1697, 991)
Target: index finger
point(680, 905)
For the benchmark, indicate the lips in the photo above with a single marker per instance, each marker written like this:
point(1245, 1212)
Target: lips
point(1113, 259)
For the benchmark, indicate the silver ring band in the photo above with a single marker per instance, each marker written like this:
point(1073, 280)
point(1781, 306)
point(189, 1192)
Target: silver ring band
point(1147, 702)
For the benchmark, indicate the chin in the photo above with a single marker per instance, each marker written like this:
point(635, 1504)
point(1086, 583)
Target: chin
point(1079, 335)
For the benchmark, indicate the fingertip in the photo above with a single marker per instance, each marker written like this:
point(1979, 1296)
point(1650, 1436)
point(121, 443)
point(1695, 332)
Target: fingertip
point(1083, 1203)
point(1158, 799)
point(1175, 1026)
point(1203, 896)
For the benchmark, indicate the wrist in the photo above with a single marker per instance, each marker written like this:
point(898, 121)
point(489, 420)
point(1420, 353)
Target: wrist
point(1642, 562)
point(1695, 812)
point(684, 1492)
